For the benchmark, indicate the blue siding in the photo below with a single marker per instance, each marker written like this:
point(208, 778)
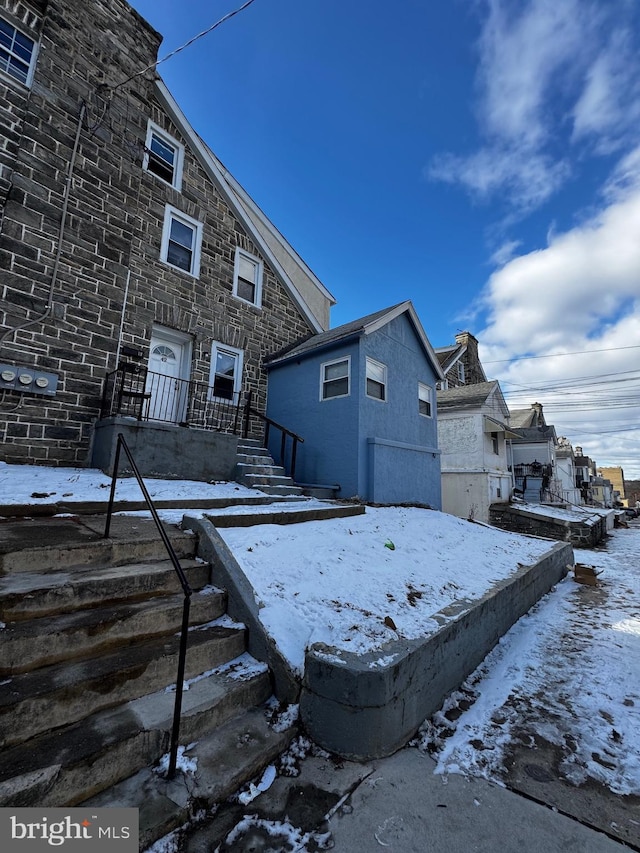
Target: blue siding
point(382, 452)
point(329, 427)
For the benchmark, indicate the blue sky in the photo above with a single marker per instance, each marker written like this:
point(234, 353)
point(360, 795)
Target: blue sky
point(481, 158)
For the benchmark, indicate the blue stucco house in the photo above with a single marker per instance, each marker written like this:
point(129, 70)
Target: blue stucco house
point(362, 396)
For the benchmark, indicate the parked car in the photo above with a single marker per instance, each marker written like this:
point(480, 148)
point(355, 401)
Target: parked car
point(630, 512)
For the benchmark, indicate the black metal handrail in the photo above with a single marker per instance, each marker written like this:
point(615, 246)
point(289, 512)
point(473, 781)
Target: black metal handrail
point(182, 656)
point(249, 411)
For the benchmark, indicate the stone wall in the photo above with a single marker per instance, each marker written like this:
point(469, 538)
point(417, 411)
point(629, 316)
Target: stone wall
point(584, 533)
point(109, 275)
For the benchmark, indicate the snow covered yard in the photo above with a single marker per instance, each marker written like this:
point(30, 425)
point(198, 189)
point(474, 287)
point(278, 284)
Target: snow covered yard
point(568, 674)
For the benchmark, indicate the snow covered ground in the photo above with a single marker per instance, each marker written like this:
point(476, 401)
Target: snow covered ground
point(568, 672)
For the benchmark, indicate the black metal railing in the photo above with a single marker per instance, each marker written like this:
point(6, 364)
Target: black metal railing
point(182, 656)
point(288, 461)
point(134, 391)
point(533, 469)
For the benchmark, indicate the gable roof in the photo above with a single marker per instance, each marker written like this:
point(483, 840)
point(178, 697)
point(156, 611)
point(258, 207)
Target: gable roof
point(447, 356)
point(246, 211)
point(355, 329)
point(471, 396)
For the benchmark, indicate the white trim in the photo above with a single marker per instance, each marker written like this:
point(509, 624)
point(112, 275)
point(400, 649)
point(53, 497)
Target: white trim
point(324, 364)
point(32, 62)
point(210, 165)
point(217, 347)
point(172, 143)
point(259, 268)
point(369, 360)
point(170, 214)
point(429, 389)
point(402, 308)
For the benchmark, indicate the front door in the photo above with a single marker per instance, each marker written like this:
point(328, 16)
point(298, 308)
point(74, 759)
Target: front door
point(167, 381)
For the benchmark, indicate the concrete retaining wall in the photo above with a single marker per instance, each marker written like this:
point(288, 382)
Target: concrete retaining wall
point(165, 450)
point(242, 605)
point(368, 706)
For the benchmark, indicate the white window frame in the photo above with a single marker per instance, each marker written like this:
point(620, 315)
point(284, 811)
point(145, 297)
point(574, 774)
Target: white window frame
point(259, 272)
point(237, 377)
point(171, 214)
point(372, 362)
point(423, 387)
point(461, 373)
point(323, 381)
point(154, 130)
point(12, 54)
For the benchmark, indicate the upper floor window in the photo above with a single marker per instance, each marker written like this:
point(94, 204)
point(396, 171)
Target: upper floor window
point(461, 373)
point(247, 278)
point(335, 378)
point(163, 156)
point(17, 53)
point(181, 240)
point(376, 380)
point(425, 400)
point(495, 443)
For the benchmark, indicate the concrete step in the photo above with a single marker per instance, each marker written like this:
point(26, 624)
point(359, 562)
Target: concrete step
point(78, 761)
point(253, 480)
point(289, 516)
point(227, 759)
point(278, 490)
point(34, 643)
point(54, 696)
point(27, 595)
point(242, 469)
point(66, 543)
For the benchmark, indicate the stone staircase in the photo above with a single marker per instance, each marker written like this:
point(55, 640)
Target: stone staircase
point(88, 660)
point(256, 469)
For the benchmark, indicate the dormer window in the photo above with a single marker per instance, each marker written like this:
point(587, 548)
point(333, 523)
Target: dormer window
point(163, 156)
point(17, 53)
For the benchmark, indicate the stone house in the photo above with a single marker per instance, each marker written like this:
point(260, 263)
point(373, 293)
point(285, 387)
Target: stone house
point(460, 363)
point(363, 397)
point(473, 440)
point(141, 285)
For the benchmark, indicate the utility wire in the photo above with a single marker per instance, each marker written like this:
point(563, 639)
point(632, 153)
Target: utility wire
point(558, 354)
point(185, 45)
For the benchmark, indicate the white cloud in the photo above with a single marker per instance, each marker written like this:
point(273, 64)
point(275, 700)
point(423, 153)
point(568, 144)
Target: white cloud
point(580, 293)
point(551, 76)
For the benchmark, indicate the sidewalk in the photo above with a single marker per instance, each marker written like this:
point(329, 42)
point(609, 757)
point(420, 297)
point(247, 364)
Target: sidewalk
point(403, 807)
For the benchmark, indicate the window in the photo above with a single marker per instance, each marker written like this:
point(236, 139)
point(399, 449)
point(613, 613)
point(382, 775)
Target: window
point(334, 378)
point(376, 380)
point(226, 372)
point(495, 445)
point(442, 386)
point(181, 239)
point(461, 373)
point(17, 53)
point(163, 156)
point(247, 278)
point(425, 405)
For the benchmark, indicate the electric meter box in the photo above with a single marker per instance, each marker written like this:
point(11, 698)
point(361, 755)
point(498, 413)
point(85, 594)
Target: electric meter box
point(13, 377)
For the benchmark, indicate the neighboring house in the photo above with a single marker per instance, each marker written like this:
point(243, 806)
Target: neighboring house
point(615, 475)
point(533, 455)
point(472, 437)
point(585, 471)
point(362, 396)
point(460, 363)
point(128, 251)
point(602, 492)
point(566, 471)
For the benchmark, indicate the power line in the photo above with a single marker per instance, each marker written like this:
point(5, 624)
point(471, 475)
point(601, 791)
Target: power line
point(185, 45)
point(558, 354)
